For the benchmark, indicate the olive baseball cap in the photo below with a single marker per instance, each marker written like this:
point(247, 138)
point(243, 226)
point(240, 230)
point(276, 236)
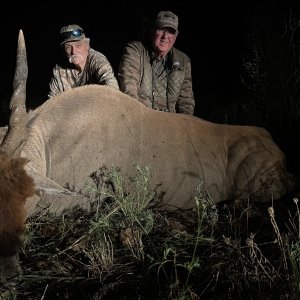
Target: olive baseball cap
point(166, 19)
point(71, 33)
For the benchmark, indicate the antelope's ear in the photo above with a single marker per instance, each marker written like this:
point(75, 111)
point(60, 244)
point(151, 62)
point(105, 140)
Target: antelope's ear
point(47, 185)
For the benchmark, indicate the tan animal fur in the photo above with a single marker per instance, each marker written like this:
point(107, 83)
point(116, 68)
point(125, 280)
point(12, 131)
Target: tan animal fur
point(83, 129)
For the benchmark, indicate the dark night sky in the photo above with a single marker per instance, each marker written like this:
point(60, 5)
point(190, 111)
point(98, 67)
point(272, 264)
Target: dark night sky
point(210, 33)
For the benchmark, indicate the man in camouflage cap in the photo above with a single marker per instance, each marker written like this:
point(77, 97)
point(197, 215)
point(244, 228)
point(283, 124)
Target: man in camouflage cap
point(84, 65)
point(156, 73)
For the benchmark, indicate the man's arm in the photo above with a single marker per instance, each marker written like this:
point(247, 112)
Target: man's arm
point(186, 101)
point(129, 74)
point(55, 84)
point(104, 71)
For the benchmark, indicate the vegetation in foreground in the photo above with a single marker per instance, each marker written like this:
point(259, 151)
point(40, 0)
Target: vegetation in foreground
point(126, 248)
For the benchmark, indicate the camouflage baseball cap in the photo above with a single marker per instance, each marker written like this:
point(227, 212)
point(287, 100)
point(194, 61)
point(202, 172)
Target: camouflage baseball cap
point(166, 19)
point(71, 33)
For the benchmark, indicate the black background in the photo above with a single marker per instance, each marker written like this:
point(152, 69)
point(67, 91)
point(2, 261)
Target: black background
point(211, 33)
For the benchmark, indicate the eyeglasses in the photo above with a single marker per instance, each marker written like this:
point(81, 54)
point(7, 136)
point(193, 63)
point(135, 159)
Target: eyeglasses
point(73, 33)
point(167, 31)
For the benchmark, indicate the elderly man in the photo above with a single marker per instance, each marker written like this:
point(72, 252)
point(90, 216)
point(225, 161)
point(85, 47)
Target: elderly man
point(157, 74)
point(84, 65)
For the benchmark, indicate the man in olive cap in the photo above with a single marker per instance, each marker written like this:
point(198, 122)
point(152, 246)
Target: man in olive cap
point(158, 74)
point(84, 65)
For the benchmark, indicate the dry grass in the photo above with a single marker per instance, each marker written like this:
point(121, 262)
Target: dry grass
point(124, 250)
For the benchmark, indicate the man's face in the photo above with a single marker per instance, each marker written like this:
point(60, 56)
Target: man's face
point(77, 52)
point(164, 39)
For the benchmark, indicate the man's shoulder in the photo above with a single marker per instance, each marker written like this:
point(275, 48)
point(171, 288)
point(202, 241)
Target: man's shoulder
point(135, 42)
point(137, 45)
point(95, 53)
